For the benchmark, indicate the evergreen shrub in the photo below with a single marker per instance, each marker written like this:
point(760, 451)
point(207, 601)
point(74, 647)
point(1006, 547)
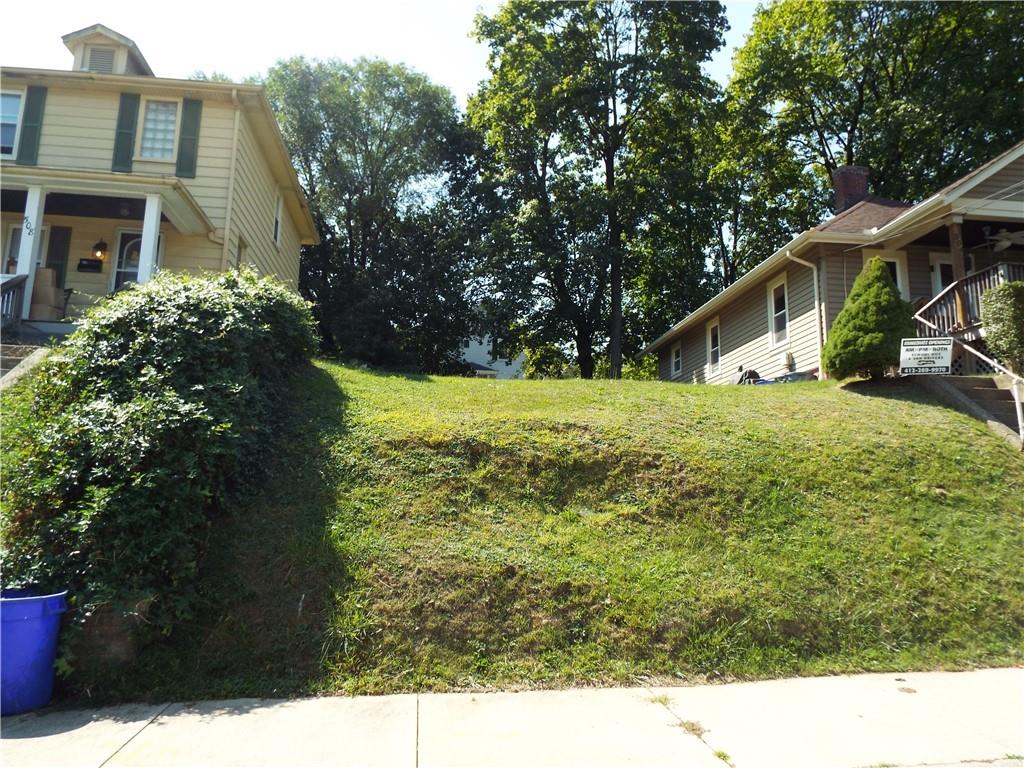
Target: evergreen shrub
point(1002, 314)
point(865, 338)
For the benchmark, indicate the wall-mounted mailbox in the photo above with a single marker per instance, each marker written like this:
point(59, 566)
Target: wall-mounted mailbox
point(90, 265)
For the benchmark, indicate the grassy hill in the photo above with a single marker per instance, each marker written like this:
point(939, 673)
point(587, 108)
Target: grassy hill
point(429, 533)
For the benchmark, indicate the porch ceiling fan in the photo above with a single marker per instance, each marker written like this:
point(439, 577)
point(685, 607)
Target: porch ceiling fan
point(1004, 239)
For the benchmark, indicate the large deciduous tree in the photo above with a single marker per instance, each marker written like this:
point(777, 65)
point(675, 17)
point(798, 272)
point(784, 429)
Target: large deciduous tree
point(376, 146)
point(571, 86)
point(920, 92)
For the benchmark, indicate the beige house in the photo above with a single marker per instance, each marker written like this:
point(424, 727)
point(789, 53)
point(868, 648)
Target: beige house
point(110, 173)
point(942, 253)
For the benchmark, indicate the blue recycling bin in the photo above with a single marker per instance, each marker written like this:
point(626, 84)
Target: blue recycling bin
point(29, 625)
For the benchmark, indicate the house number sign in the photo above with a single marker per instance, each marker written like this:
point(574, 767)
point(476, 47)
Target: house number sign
point(922, 356)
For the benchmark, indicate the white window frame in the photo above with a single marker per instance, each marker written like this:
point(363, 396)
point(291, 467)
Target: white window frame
point(899, 258)
point(713, 369)
point(773, 343)
point(44, 232)
point(278, 218)
point(141, 127)
point(935, 258)
point(116, 252)
point(17, 126)
point(675, 359)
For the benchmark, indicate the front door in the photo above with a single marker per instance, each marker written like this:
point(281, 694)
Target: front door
point(126, 268)
point(942, 271)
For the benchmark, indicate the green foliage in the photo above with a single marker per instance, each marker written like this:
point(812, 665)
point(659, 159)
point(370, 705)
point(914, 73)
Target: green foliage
point(1002, 314)
point(577, 94)
point(895, 86)
point(140, 427)
point(380, 153)
point(548, 361)
point(865, 337)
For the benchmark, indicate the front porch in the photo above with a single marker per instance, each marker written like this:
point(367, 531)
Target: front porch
point(84, 235)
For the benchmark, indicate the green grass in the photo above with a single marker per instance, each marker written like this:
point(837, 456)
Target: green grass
point(419, 533)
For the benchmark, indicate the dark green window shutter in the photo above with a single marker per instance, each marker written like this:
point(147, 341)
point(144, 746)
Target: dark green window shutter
point(124, 138)
point(31, 125)
point(188, 142)
point(57, 252)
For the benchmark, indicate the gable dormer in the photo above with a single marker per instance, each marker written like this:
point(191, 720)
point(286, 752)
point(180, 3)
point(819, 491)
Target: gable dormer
point(102, 50)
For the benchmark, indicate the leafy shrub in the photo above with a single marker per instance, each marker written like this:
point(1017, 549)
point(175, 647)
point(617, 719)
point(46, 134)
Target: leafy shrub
point(865, 337)
point(140, 427)
point(1002, 314)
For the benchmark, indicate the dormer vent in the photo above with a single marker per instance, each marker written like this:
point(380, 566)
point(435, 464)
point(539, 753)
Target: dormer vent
point(101, 50)
point(101, 59)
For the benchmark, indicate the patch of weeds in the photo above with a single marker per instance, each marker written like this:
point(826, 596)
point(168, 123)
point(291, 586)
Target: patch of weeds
point(693, 728)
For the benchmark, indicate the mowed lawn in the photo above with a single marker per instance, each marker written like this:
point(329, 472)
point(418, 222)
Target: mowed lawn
point(422, 533)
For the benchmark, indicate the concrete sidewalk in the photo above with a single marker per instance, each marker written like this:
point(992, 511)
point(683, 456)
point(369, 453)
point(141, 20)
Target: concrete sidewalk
point(958, 719)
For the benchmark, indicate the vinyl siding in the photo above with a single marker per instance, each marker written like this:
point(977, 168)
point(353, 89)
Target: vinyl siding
point(665, 362)
point(744, 336)
point(919, 269)
point(841, 267)
point(995, 185)
point(213, 162)
point(253, 210)
point(78, 129)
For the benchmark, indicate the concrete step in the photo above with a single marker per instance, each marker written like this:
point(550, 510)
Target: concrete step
point(972, 382)
point(12, 354)
point(989, 394)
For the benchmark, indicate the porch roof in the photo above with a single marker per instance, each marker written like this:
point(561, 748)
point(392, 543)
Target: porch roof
point(178, 205)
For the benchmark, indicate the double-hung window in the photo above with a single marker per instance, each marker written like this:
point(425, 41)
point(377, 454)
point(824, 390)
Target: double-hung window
point(677, 359)
point(778, 312)
point(10, 119)
point(714, 342)
point(158, 128)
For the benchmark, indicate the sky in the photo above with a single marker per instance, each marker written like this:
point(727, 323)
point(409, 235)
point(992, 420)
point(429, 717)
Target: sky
point(432, 36)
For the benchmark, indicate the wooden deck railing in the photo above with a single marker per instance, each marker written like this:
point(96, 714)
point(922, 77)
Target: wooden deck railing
point(12, 299)
point(939, 317)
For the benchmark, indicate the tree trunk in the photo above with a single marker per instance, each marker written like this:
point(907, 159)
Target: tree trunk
point(585, 353)
point(615, 278)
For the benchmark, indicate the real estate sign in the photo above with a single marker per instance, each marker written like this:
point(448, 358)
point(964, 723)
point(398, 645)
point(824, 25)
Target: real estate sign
point(921, 356)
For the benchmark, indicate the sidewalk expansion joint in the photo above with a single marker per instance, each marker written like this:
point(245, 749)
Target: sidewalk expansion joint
point(146, 725)
point(682, 724)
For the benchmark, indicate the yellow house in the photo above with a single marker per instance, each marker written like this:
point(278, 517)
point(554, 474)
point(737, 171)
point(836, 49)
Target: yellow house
point(110, 173)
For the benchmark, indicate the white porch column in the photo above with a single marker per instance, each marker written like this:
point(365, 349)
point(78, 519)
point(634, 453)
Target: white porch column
point(31, 242)
point(150, 238)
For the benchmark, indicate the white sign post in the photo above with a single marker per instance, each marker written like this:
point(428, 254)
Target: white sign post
point(924, 356)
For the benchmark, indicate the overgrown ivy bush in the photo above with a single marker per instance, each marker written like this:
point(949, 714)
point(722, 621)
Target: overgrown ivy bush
point(1002, 314)
point(865, 337)
point(141, 427)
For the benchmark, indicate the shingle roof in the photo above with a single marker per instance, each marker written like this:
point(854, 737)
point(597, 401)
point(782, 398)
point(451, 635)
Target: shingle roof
point(873, 211)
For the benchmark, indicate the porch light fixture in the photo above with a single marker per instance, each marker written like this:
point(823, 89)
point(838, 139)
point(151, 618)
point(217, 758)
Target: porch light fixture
point(99, 250)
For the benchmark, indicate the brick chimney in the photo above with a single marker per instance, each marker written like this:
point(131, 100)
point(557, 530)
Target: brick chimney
point(851, 185)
